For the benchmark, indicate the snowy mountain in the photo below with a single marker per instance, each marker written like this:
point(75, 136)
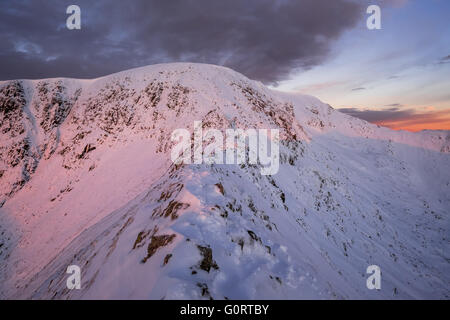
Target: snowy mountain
point(86, 179)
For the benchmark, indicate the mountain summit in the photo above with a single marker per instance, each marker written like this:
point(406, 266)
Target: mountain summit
point(86, 179)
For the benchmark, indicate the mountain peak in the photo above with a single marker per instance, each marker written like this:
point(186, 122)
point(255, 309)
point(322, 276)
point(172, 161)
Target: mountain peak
point(88, 161)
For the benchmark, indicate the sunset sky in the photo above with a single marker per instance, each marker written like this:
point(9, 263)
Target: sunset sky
point(398, 76)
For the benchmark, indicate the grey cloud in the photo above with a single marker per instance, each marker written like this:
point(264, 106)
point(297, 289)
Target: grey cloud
point(358, 89)
point(263, 39)
point(391, 114)
point(444, 60)
point(403, 118)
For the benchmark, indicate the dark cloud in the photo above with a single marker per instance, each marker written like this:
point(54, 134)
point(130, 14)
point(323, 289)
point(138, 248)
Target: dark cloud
point(409, 119)
point(396, 105)
point(264, 39)
point(377, 116)
point(444, 60)
point(358, 89)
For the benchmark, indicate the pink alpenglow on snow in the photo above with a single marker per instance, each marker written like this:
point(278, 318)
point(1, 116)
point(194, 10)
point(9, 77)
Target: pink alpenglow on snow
point(87, 179)
point(235, 147)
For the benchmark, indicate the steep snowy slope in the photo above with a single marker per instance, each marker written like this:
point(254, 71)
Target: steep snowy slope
point(86, 178)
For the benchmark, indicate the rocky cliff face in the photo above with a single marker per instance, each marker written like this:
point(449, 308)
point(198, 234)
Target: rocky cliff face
point(86, 179)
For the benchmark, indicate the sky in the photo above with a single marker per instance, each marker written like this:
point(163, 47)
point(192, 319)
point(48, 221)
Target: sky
point(397, 76)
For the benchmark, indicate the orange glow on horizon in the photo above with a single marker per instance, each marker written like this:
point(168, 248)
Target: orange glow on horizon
point(439, 120)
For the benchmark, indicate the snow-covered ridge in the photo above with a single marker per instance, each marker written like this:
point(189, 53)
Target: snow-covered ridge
point(86, 178)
